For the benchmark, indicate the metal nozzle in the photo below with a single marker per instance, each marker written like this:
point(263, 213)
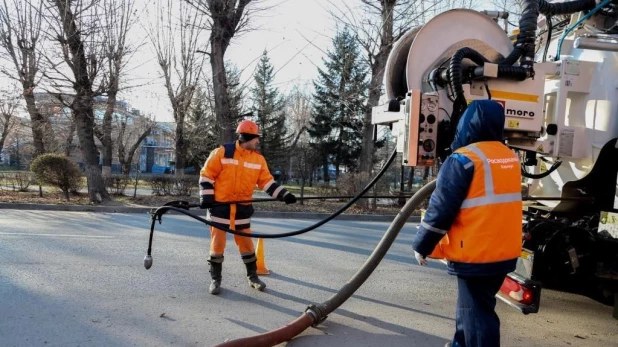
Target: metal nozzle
point(148, 262)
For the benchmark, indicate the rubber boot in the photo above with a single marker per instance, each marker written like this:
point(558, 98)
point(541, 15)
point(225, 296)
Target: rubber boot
point(254, 280)
point(215, 273)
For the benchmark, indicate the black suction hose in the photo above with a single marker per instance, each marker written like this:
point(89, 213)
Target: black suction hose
point(550, 27)
point(524, 46)
point(553, 168)
point(566, 7)
point(524, 49)
point(157, 216)
point(315, 314)
point(455, 69)
point(374, 259)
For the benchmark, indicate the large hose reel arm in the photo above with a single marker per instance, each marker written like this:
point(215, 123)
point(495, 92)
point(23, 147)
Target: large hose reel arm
point(462, 55)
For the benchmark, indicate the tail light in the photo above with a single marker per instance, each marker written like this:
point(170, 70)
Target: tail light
point(520, 293)
point(517, 291)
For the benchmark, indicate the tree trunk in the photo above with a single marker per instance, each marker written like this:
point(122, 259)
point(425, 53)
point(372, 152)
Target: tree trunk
point(121, 156)
point(375, 86)
point(134, 148)
point(126, 160)
point(337, 172)
point(84, 124)
point(325, 169)
point(222, 101)
point(82, 104)
point(122, 149)
point(302, 190)
point(181, 148)
point(38, 123)
point(69, 140)
point(5, 132)
point(107, 134)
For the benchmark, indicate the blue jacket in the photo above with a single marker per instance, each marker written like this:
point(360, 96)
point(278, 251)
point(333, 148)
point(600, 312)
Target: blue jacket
point(483, 120)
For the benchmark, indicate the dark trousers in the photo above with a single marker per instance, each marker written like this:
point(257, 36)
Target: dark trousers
point(477, 324)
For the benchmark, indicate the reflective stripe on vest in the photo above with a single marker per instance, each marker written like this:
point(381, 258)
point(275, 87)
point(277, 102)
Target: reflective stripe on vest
point(487, 228)
point(490, 196)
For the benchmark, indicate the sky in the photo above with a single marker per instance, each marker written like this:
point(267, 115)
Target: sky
point(296, 34)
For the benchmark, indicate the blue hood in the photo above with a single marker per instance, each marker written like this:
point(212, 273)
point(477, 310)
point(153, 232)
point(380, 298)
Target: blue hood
point(483, 120)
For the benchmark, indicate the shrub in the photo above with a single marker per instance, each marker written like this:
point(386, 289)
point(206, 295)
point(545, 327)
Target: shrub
point(185, 185)
point(116, 184)
point(56, 170)
point(161, 184)
point(22, 181)
point(325, 189)
point(171, 185)
point(351, 184)
point(17, 180)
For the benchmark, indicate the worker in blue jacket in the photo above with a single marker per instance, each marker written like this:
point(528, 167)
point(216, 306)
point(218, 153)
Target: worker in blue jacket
point(474, 221)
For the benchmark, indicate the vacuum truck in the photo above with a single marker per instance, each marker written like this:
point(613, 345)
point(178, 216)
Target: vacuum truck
point(557, 80)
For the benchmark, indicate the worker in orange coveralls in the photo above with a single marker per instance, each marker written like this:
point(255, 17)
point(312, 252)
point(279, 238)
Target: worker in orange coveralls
point(231, 173)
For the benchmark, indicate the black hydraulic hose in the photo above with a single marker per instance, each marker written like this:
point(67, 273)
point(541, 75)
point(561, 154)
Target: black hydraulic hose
point(517, 73)
point(184, 210)
point(550, 28)
point(524, 46)
point(566, 7)
point(553, 168)
point(185, 205)
point(315, 314)
point(524, 49)
point(455, 70)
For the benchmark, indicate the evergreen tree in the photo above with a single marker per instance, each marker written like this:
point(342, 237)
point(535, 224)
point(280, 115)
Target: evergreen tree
point(268, 108)
point(339, 103)
point(201, 132)
point(236, 95)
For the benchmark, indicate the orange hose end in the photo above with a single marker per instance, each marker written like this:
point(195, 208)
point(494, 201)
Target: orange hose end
point(273, 337)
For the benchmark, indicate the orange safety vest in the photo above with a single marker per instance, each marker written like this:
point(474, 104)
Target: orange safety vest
point(488, 226)
point(236, 177)
point(231, 173)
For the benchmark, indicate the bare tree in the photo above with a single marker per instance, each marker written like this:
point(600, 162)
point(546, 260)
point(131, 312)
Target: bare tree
point(180, 62)
point(299, 109)
point(128, 141)
point(380, 24)
point(226, 19)
point(307, 161)
point(19, 142)
point(68, 135)
point(21, 29)
point(8, 107)
point(76, 25)
point(117, 19)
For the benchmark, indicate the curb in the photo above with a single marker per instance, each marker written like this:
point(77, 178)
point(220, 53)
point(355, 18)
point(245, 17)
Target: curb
point(257, 214)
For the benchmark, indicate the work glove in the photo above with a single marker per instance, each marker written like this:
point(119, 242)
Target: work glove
point(289, 198)
point(420, 258)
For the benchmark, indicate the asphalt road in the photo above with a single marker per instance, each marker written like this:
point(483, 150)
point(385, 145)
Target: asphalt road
point(77, 279)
